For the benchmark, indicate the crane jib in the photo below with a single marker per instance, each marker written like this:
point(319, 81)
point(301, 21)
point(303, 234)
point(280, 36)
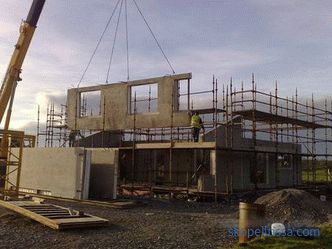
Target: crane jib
point(35, 11)
point(12, 75)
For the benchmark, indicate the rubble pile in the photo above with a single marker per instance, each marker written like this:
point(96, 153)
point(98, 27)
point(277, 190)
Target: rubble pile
point(294, 206)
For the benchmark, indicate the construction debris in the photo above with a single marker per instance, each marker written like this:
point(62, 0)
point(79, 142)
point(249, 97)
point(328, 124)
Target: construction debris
point(293, 206)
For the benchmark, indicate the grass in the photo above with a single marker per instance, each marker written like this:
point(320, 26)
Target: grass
point(322, 242)
point(320, 175)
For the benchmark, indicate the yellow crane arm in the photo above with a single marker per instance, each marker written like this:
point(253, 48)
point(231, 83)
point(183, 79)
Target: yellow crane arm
point(14, 68)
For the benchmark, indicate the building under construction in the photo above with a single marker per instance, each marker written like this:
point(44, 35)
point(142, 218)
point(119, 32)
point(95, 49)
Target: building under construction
point(146, 137)
point(252, 139)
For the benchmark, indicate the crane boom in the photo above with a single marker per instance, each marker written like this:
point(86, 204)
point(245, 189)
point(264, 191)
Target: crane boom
point(27, 30)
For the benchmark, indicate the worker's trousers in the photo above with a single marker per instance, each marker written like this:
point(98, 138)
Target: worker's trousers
point(195, 133)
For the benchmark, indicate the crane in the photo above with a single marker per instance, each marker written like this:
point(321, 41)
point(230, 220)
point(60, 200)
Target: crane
point(27, 30)
point(12, 76)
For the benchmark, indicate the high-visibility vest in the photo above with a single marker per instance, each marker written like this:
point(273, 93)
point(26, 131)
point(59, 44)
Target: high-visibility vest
point(195, 121)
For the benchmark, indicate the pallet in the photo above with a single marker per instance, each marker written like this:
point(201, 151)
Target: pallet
point(53, 216)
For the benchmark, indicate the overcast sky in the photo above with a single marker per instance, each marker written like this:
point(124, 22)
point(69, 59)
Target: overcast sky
point(289, 41)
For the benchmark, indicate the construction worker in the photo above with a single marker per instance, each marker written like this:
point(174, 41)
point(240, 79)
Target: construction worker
point(72, 137)
point(196, 125)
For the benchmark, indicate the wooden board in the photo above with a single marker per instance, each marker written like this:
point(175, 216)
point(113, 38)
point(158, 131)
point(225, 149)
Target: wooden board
point(174, 145)
point(54, 216)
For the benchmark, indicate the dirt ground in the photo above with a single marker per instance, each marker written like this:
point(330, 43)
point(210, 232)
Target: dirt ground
point(152, 224)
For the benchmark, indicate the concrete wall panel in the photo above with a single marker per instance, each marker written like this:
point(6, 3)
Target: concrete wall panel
point(59, 171)
point(114, 103)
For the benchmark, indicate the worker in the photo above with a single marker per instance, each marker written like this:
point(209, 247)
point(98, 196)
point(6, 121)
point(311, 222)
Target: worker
point(196, 126)
point(72, 137)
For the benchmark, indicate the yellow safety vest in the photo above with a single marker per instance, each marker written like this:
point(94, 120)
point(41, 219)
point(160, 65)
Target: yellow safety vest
point(195, 121)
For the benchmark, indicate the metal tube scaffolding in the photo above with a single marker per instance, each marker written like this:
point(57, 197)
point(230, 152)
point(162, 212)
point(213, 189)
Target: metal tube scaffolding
point(264, 122)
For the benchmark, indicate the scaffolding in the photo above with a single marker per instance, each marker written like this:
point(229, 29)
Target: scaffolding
point(262, 117)
point(267, 122)
point(10, 163)
point(55, 132)
point(280, 120)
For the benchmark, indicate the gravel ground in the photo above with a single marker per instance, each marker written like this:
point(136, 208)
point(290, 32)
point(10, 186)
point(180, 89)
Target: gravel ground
point(153, 224)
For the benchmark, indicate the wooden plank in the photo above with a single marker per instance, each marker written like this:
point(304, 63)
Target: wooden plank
point(61, 216)
point(48, 210)
point(78, 222)
point(41, 208)
point(38, 207)
point(176, 145)
point(29, 204)
point(49, 213)
point(191, 145)
point(153, 146)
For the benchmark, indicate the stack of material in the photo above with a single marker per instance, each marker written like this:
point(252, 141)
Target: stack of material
point(297, 207)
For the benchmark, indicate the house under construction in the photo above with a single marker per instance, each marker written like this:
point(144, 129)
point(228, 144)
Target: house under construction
point(252, 140)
